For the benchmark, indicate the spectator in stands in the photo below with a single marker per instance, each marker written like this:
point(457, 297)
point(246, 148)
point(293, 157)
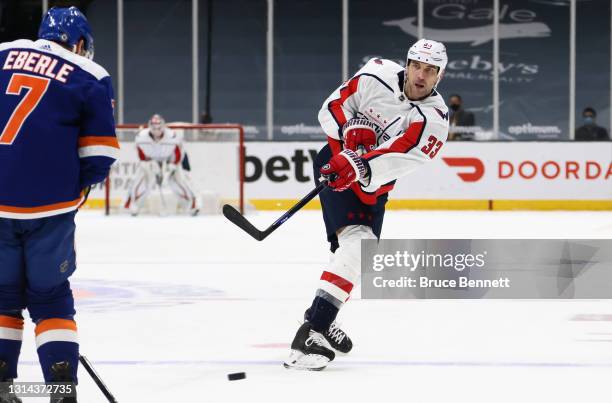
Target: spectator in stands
point(589, 131)
point(461, 121)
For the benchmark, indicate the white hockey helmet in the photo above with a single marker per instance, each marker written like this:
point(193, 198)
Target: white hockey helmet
point(428, 51)
point(157, 124)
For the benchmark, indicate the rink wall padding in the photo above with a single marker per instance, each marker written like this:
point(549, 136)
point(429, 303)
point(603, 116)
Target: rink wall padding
point(466, 176)
point(500, 205)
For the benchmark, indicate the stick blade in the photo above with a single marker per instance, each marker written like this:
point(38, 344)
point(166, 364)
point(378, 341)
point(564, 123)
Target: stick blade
point(234, 216)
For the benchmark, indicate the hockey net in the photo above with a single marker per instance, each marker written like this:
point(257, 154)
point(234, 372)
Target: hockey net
point(216, 158)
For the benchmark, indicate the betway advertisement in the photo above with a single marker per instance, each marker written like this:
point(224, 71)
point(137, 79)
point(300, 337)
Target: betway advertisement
point(463, 171)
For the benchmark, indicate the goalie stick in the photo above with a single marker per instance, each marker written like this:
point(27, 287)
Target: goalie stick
point(234, 215)
point(85, 362)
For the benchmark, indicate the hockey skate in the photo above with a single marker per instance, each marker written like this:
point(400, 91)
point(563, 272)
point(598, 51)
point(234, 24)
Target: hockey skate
point(6, 396)
point(309, 350)
point(61, 373)
point(336, 337)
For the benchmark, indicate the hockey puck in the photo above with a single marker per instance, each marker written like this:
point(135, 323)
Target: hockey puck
point(236, 376)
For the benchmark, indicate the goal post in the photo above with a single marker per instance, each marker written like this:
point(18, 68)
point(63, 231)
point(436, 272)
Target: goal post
point(216, 156)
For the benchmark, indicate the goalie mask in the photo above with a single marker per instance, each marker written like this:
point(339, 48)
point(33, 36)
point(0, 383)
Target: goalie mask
point(157, 124)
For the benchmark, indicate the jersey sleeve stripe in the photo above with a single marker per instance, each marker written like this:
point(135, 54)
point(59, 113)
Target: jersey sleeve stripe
point(335, 106)
point(99, 151)
point(109, 141)
point(406, 142)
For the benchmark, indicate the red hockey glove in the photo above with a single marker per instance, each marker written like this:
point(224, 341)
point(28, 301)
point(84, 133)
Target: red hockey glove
point(358, 133)
point(343, 169)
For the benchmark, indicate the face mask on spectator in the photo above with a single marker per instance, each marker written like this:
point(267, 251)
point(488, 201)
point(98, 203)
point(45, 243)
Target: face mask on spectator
point(588, 120)
point(455, 107)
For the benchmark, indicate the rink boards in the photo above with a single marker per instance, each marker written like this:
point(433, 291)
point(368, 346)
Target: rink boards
point(465, 175)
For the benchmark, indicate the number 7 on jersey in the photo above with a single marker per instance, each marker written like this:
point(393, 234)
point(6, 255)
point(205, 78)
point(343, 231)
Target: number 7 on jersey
point(36, 88)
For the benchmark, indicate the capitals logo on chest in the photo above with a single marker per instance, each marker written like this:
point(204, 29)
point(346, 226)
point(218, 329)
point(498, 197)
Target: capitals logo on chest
point(376, 117)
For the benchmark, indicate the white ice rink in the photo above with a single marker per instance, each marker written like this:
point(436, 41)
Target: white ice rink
point(168, 306)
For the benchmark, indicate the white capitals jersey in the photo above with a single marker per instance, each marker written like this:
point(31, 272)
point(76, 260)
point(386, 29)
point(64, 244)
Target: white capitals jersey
point(409, 133)
point(168, 148)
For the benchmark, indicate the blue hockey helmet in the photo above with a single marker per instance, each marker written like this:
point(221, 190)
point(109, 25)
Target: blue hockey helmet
point(67, 26)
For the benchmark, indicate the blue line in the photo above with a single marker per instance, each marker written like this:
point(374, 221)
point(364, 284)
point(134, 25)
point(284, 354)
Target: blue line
point(358, 363)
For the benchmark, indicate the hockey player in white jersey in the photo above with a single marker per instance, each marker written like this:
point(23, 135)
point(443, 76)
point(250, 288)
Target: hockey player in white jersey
point(382, 124)
point(160, 151)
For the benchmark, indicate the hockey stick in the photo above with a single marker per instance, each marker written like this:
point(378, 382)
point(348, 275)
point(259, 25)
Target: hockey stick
point(234, 215)
point(85, 362)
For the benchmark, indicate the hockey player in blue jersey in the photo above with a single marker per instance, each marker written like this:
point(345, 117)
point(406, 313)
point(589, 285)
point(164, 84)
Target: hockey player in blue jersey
point(57, 139)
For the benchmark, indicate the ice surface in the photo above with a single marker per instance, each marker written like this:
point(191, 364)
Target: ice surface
point(168, 306)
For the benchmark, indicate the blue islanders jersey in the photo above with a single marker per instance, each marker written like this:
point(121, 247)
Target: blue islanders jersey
point(57, 131)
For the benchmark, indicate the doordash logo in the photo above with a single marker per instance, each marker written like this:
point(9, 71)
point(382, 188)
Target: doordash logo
point(562, 170)
point(475, 167)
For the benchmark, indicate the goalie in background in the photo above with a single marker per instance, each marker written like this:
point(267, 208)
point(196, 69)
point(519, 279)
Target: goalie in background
point(160, 151)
